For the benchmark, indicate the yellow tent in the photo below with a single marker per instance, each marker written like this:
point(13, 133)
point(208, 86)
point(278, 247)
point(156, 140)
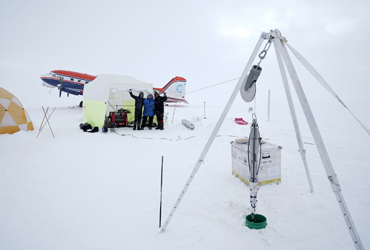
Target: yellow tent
point(13, 117)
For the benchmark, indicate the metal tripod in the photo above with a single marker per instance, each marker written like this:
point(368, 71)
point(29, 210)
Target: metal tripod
point(282, 55)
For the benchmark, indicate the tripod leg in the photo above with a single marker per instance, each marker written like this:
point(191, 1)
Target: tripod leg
point(292, 111)
point(332, 177)
point(215, 131)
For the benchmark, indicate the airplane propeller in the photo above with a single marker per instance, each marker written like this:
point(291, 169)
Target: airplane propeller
point(60, 86)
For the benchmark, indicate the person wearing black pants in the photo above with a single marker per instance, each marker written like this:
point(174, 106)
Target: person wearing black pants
point(139, 102)
point(159, 109)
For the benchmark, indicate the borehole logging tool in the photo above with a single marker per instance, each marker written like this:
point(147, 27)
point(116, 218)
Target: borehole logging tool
point(254, 161)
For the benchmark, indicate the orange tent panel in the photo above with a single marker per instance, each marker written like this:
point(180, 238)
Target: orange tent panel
point(9, 129)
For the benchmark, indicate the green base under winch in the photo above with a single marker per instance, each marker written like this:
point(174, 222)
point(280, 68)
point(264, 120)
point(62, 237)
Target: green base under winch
point(259, 222)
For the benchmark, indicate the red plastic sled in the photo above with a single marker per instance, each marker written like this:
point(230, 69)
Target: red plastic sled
point(240, 121)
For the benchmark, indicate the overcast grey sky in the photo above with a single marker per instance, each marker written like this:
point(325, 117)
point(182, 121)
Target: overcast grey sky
point(206, 42)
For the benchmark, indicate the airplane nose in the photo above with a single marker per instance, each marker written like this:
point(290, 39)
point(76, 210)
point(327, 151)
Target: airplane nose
point(45, 75)
point(46, 81)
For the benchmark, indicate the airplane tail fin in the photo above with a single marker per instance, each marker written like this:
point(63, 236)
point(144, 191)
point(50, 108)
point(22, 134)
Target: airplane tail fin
point(175, 89)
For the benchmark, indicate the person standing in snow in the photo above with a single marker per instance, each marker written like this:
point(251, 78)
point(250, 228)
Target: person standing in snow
point(159, 109)
point(148, 111)
point(139, 102)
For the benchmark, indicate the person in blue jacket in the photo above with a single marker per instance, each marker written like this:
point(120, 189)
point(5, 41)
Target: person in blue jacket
point(148, 111)
point(139, 102)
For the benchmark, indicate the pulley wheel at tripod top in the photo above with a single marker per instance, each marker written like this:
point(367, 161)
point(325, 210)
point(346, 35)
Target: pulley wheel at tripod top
point(248, 88)
point(259, 221)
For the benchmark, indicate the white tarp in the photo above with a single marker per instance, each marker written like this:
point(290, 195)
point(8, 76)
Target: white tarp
point(110, 93)
point(104, 84)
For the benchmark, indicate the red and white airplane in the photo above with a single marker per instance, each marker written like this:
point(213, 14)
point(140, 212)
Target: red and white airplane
point(74, 82)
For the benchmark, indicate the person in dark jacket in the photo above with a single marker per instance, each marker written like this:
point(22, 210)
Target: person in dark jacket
point(159, 109)
point(139, 102)
point(148, 111)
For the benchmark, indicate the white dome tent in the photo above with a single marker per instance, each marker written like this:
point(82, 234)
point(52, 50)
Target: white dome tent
point(109, 92)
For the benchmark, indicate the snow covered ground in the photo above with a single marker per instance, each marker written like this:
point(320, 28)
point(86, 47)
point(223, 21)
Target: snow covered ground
point(101, 191)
